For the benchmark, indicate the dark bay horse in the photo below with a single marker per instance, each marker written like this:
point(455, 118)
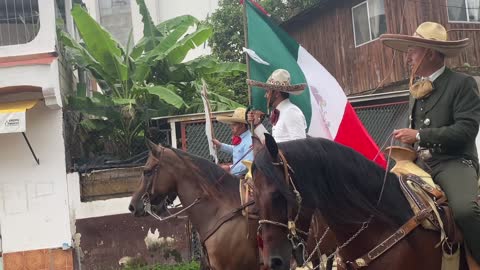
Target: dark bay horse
point(214, 197)
point(362, 205)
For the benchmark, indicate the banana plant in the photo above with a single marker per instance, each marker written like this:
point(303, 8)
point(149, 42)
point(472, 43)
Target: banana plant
point(148, 79)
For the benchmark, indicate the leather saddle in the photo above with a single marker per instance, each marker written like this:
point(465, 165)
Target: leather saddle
point(421, 192)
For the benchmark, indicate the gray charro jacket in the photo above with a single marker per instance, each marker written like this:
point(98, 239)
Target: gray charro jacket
point(448, 119)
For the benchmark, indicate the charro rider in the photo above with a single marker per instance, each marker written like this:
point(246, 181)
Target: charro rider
point(444, 121)
point(288, 121)
point(240, 149)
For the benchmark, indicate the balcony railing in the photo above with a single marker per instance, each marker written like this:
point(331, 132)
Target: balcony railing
point(19, 21)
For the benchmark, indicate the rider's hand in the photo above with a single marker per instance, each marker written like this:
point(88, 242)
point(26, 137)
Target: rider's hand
point(405, 135)
point(225, 167)
point(217, 143)
point(255, 117)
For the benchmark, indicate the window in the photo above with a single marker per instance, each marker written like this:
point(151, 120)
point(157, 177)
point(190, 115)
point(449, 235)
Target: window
point(463, 10)
point(19, 21)
point(368, 21)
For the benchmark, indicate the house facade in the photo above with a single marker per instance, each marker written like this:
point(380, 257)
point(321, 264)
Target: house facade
point(344, 37)
point(35, 227)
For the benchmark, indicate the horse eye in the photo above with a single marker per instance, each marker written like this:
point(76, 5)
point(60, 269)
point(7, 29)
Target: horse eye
point(147, 173)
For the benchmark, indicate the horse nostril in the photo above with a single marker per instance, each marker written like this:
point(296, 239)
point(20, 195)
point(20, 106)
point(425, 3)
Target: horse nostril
point(276, 262)
point(131, 208)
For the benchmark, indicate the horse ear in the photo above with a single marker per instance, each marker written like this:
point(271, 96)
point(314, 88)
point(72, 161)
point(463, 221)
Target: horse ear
point(271, 145)
point(151, 146)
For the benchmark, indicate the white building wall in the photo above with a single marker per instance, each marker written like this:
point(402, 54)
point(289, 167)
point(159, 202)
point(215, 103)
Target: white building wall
point(92, 8)
point(81, 210)
point(34, 211)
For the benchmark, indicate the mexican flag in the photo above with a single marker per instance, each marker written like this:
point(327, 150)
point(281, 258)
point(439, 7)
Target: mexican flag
point(324, 104)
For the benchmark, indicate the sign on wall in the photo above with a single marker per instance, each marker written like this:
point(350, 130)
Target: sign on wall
point(12, 116)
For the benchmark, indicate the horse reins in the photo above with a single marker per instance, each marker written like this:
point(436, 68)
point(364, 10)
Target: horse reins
point(148, 206)
point(390, 241)
point(291, 224)
point(370, 256)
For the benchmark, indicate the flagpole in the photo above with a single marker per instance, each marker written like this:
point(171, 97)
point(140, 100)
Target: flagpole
point(247, 59)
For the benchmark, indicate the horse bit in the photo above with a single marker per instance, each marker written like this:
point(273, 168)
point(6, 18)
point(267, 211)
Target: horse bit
point(295, 240)
point(147, 202)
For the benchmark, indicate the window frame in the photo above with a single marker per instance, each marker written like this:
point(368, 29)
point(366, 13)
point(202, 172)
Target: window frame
point(369, 25)
point(466, 10)
point(38, 32)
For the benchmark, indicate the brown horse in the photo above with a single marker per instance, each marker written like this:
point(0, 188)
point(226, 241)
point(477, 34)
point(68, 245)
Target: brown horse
point(229, 239)
point(362, 206)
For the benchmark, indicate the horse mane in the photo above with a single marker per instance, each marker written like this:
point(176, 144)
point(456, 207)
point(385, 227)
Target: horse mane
point(340, 182)
point(214, 180)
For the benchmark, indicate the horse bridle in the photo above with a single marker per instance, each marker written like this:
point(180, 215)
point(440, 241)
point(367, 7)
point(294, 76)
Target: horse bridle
point(165, 202)
point(295, 240)
point(149, 186)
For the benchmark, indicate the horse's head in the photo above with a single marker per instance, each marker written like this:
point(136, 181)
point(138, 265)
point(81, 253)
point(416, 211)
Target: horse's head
point(278, 201)
point(157, 184)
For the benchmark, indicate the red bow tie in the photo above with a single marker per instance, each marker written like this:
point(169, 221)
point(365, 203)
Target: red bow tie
point(236, 140)
point(274, 116)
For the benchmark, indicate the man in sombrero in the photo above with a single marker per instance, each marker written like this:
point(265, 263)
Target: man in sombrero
point(288, 121)
point(444, 121)
point(240, 148)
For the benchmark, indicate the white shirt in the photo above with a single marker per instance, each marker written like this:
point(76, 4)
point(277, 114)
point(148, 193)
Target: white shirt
point(291, 124)
point(436, 74)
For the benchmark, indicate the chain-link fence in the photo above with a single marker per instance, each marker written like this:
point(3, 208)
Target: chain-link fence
point(379, 120)
point(194, 140)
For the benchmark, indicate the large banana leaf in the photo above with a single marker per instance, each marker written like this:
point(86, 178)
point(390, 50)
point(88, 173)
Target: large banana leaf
point(217, 102)
point(209, 65)
point(202, 67)
point(171, 47)
point(167, 45)
point(124, 101)
point(100, 44)
point(169, 42)
point(150, 32)
point(178, 52)
point(174, 50)
point(138, 49)
point(91, 106)
point(166, 95)
point(142, 70)
point(83, 59)
point(167, 26)
point(223, 103)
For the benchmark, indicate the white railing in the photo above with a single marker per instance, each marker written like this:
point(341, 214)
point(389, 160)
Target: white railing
point(19, 21)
